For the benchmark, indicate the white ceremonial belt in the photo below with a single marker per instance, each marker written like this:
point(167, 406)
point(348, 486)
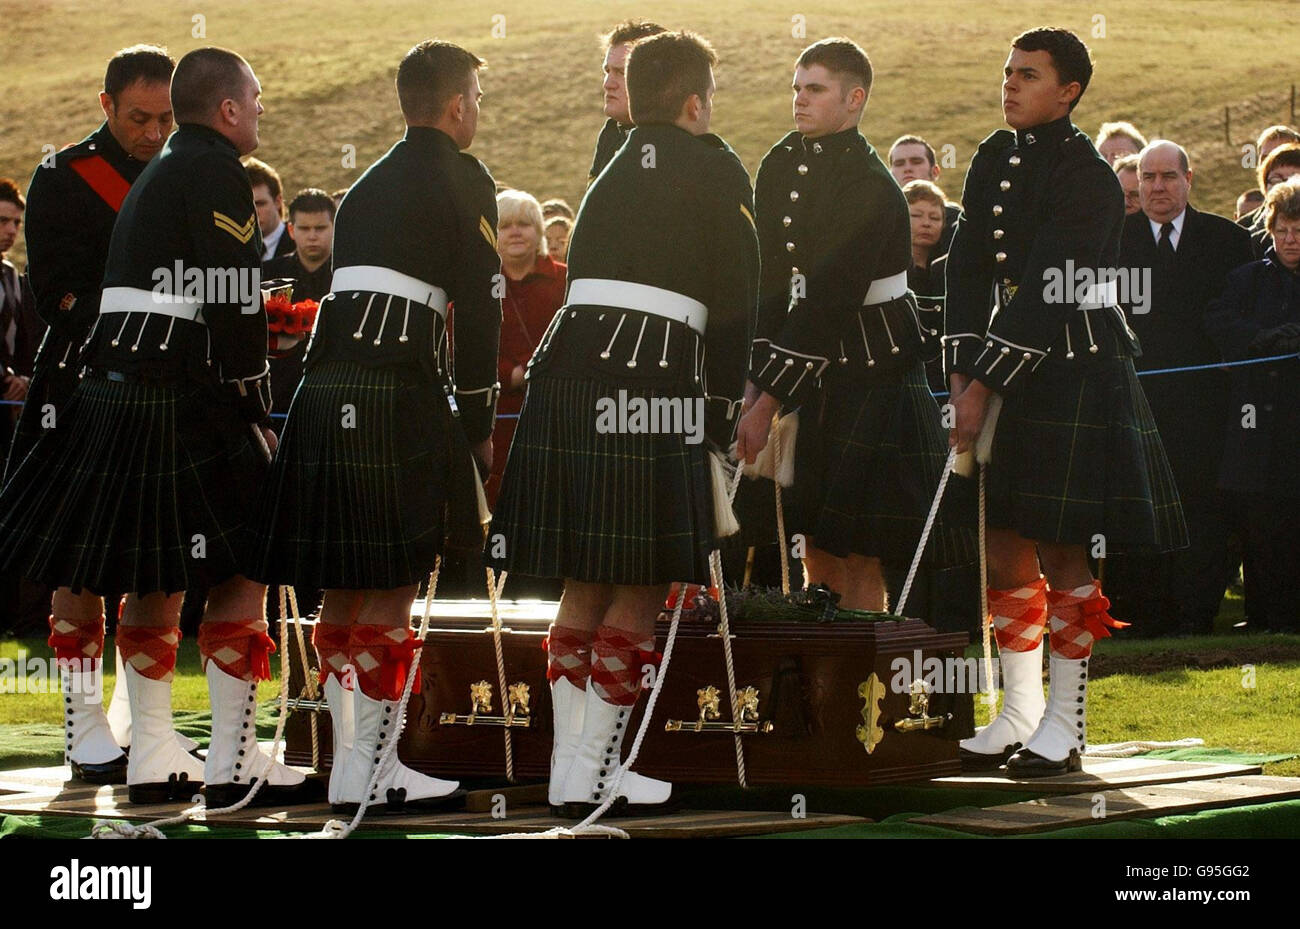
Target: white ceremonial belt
point(138, 300)
point(1098, 296)
point(387, 281)
point(643, 298)
point(884, 289)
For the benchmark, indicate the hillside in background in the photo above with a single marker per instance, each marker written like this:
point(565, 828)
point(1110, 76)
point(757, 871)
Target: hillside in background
point(327, 71)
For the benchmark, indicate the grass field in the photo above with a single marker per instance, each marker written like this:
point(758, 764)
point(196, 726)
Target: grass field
point(327, 69)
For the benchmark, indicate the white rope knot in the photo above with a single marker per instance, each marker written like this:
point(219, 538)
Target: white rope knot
point(120, 829)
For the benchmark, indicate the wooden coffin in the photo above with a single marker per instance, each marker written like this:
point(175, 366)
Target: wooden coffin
point(819, 707)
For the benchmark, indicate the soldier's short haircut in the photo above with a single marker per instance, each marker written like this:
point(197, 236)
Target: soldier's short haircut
point(663, 72)
point(1128, 163)
point(9, 193)
point(1070, 57)
point(430, 76)
point(920, 189)
point(841, 57)
point(261, 174)
point(203, 78)
point(914, 140)
point(1282, 202)
point(312, 200)
point(630, 30)
point(1284, 156)
point(1275, 133)
point(1125, 130)
point(148, 63)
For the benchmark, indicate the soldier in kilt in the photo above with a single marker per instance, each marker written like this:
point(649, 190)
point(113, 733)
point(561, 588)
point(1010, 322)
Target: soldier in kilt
point(145, 484)
point(72, 206)
point(610, 482)
point(374, 472)
point(1076, 459)
point(839, 339)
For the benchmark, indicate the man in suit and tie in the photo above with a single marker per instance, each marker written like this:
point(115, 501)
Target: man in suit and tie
point(1186, 255)
point(20, 327)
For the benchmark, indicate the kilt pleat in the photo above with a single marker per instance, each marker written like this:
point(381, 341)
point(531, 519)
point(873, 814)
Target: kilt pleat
point(357, 496)
point(138, 488)
point(615, 507)
point(868, 460)
point(1077, 455)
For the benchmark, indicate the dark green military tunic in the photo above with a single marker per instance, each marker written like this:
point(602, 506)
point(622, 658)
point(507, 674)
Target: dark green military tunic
point(612, 136)
point(145, 483)
point(622, 501)
point(373, 476)
point(1075, 452)
point(831, 221)
point(71, 208)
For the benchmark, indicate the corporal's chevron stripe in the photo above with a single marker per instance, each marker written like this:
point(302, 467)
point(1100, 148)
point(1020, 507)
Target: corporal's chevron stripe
point(242, 232)
point(488, 232)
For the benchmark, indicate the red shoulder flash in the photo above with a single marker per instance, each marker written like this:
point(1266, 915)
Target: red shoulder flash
point(103, 179)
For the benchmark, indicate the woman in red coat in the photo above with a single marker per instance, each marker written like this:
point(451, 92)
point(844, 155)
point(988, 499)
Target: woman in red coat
point(534, 291)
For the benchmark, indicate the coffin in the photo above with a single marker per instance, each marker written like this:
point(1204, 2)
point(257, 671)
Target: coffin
point(841, 703)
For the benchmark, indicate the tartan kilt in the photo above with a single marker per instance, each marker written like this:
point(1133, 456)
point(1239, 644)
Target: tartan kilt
point(614, 508)
point(358, 496)
point(1076, 453)
point(868, 459)
point(50, 384)
point(117, 497)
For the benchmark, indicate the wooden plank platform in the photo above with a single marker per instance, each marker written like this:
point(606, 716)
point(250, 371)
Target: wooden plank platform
point(46, 793)
point(1062, 811)
point(1102, 774)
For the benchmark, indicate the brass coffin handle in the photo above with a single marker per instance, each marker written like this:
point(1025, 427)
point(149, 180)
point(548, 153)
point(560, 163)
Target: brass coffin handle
point(480, 701)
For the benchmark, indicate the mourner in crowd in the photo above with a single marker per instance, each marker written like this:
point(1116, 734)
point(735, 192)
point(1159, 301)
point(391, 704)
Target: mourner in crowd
point(268, 196)
point(1126, 169)
point(309, 266)
point(925, 275)
point(1258, 315)
point(618, 122)
point(1074, 449)
point(535, 284)
point(558, 230)
point(20, 327)
point(149, 483)
point(1248, 202)
point(375, 473)
point(24, 605)
point(663, 276)
point(1119, 139)
point(912, 158)
point(1282, 162)
point(1186, 254)
point(556, 207)
point(72, 205)
point(1269, 139)
point(839, 338)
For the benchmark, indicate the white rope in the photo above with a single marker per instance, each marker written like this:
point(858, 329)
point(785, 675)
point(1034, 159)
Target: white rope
point(336, 829)
point(494, 593)
point(724, 627)
point(1129, 749)
point(925, 531)
point(120, 829)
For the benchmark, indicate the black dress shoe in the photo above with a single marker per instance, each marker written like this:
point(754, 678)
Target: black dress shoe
point(173, 790)
point(397, 804)
point(975, 762)
point(1025, 763)
point(108, 772)
point(619, 809)
point(312, 790)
